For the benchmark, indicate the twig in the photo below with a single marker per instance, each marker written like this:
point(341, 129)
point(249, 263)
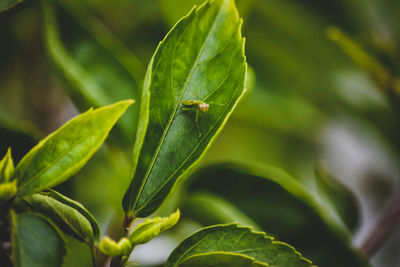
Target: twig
point(385, 225)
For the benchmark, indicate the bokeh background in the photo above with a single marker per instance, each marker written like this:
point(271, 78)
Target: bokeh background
point(323, 87)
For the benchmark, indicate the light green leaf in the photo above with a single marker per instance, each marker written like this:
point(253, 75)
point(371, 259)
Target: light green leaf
point(282, 207)
point(339, 196)
point(201, 58)
point(151, 228)
point(35, 242)
point(6, 167)
point(8, 4)
point(111, 248)
point(7, 191)
point(221, 259)
point(70, 216)
point(64, 152)
point(237, 240)
point(96, 67)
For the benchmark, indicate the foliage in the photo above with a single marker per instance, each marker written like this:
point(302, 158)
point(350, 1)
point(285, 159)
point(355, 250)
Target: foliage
point(191, 108)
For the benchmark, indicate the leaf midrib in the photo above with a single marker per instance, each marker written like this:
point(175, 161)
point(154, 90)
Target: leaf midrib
point(173, 114)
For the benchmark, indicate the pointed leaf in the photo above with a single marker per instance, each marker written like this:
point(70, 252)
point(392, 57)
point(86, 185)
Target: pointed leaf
point(35, 242)
point(201, 58)
point(64, 152)
point(283, 207)
point(339, 196)
point(6, 167)
point(8, 4)
point(70, 216)
point(151, 228)
point(96, 67)
point(238, 240)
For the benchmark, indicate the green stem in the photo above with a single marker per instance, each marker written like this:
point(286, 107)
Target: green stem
point(121, 260)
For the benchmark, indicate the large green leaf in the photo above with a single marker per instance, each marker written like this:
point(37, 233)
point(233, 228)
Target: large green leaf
point(35, 242)
point(69, 215)
point(221, 259)
point(281, 206)
point(6, 167)
point(201, 58)
point(97, 68)
point(64, 152)
point(238, 240)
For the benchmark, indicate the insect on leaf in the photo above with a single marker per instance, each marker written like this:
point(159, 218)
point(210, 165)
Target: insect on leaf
point(64, 152)
point(201, 58)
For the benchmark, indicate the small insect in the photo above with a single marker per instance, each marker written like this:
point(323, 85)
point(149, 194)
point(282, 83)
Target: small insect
point(198, 106)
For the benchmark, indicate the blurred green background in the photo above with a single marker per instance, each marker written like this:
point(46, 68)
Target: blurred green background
point(314, 95)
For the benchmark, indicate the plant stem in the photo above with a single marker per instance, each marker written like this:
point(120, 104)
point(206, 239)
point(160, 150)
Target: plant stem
point(384, 226)
point(126, 224)
point(94, 253)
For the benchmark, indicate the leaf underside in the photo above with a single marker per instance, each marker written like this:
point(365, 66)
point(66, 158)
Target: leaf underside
point(35, 242)
point(201, 58)
point(240, 241)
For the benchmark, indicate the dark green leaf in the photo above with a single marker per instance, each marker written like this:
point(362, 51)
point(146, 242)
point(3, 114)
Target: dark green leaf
point(221, 259)
point(6, 167)
point(69, 215)
point(201, 58)
point(238, 240)
point(7, 4)
point(339, 196)
point(283, 208)
point(35, 242)
point(64, 152)
point(97, 68)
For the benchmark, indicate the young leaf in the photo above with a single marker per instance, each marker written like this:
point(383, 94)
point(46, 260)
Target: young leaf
point(151, 228)
point(237, 240)
point(339, 196)
point(6, 167)
point(96, 67)
point(64, 152)
point(282, 207)
point(35, 242)
point(70, 216)
point(201, 58)
point(7, 191)
point(111, 248)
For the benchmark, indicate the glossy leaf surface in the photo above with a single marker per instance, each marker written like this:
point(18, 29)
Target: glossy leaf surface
point(64, 152)
point(221, 259)
point(201, 58)
point(6, 167)
point(96, 67)
point(282, 207)
point(238, 240)
point(69, 215)
point(35, 242)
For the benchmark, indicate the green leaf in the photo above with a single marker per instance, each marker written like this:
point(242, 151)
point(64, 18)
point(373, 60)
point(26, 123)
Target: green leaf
point(221, 259)
point(339, 196)
point(6, 167)
point(96, 67)
point(8, 4)
point(282, 207)
point(35, 242)
point(237, 240)
point(111, 248)
point(208, 208)
point(201, 58)
point(7, 191)
point(151, 228)
point(70, 216)
point(64, 152)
